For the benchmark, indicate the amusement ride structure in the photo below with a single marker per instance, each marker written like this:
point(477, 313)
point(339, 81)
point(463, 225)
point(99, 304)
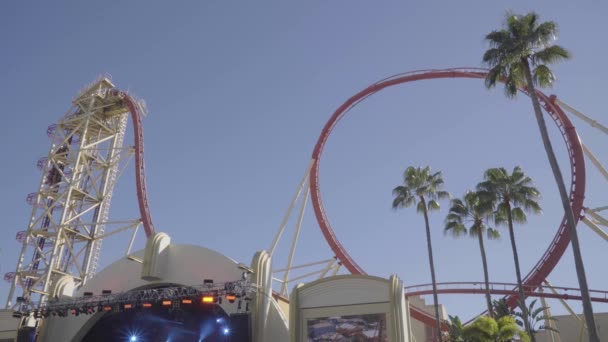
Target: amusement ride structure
point(71, 208)
point(70, 215)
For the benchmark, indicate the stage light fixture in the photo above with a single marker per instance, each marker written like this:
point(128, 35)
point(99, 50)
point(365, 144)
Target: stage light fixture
point(107, 308)
point(231, 297)
point(186, 301)
point(208, 281)
point(106, 292)
point(226, 331)
point(146, 305)
point(133, 338)
point(166, 303)
point(208, 299)
point(128, 306)
point(20, 299)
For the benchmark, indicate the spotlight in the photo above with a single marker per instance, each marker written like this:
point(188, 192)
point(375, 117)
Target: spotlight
point(208, 281)
point(208, 299)
point(226, 331)
point(146, 305)
point(128, 306)
point(186, 301)
point(106, 292)
point(88, 294)
point(107, 308)
point(166, 303)
point(219, 320)
point(231, 297)
point(133, 338)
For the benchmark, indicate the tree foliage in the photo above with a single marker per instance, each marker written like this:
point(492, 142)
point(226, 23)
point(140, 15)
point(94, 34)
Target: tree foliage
point(523, 40)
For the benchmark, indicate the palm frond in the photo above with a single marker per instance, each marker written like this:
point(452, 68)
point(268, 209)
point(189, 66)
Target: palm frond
point(511, 87)
point(548, 328)
point(498, 38)
point(492, 234)
point(543, 34)
point(549, 55)
point(420, 207)
point(543, 76)
point(455, 229)
point(441, 194)
point(433, 205)
point(518, 215)
point(493, 57)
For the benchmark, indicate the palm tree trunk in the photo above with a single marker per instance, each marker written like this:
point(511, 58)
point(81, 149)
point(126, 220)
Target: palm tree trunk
point(522, 296)
point(432, 266)
point(485, 272)
point(559, 179)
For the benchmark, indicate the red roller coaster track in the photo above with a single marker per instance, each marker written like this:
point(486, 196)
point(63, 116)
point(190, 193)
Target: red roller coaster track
point(577, 165)
point(140, 166)
point(506, 289)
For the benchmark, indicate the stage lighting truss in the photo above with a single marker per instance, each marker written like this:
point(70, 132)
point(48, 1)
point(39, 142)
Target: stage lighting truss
point(167, 297)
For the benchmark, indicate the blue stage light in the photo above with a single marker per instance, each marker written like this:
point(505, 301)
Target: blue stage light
point(226, 331)
point(133, 338)
point(219, 320)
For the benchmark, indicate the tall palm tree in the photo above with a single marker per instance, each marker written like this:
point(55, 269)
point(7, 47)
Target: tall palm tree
point(472, 211)
point(422, 188)
point(519, 55)
point(513, 195)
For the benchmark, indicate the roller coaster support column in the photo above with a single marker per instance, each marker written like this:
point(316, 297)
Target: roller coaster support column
point(553, 334)
point(571, 311)
point(294, 242)
point(290, 209)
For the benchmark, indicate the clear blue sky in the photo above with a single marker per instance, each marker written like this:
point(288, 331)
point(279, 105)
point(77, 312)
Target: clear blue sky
point(238, 94)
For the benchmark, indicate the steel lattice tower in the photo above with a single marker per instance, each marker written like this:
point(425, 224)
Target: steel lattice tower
point(70, 210)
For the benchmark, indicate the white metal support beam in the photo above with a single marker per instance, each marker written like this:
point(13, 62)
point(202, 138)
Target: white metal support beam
point(595, 161)
point(554, 333)
point(582, 116)
point(296, 236)
point(570, 310)
point(595, 228)
point(277, 237)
